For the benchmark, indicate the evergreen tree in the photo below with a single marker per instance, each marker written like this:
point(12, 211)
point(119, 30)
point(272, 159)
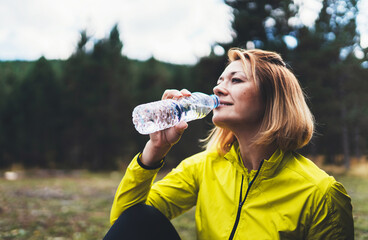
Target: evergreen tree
point(8, 84)
point(98, 95)
point(262, 24)
point(324, 57)
point(34, 118)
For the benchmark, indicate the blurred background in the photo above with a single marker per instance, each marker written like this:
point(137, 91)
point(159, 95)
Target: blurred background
point(71, 73)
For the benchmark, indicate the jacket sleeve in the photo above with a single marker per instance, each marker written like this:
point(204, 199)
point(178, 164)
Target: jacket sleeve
point(173, 195)
point(177, 192)
point(133, 188)
point(333, 217)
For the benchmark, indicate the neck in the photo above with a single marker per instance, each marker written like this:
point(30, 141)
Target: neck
point(252, 154)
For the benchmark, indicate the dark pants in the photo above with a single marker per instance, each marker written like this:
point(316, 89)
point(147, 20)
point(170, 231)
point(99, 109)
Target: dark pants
point(142, 222)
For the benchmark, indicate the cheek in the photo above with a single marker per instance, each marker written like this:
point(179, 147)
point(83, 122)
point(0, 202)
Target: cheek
point(252, 102)
point(249, 98)
point(259, 107)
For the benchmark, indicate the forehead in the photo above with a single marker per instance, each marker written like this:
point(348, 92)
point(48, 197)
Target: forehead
point(235, 66)
point(238, 66)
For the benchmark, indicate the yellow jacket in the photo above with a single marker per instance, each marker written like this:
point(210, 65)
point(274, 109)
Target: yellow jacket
point(289, 197)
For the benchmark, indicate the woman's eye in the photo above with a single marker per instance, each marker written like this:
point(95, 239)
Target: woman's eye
point(236, 80)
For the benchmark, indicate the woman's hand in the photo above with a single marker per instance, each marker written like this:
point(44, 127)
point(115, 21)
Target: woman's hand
point(161, 142)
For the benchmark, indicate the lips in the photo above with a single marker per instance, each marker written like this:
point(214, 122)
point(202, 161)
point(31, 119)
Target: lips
point(225, 103)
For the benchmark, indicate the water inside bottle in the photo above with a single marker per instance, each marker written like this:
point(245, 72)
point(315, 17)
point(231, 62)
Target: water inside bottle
point(159, 115)
point(148, 119)
point(195, 112)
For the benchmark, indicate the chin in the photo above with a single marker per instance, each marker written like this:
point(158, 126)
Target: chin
point(219, 122)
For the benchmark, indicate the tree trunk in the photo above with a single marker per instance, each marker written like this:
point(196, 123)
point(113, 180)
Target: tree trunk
point(344, 127)
point(357, 143)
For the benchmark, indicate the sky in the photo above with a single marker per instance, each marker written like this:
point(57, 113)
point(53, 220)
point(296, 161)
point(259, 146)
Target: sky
point(176, 31)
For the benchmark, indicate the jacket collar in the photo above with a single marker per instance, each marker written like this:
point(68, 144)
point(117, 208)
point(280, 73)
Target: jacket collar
point(269, 167)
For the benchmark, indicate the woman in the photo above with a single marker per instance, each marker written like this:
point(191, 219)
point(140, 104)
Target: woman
point(249, 183)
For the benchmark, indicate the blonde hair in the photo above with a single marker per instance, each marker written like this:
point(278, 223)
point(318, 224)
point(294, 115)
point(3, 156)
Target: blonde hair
point(287, 120)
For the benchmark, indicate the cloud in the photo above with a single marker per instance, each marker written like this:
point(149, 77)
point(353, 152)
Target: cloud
point(176, 31)
point(179, 31)
point(362, 21)
point(185, 28)
point(309, 11)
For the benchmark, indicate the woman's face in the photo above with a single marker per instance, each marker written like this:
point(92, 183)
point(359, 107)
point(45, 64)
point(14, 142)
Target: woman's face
point(241, 105)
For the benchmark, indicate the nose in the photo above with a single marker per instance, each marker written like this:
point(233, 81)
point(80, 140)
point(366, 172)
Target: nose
point(220, 90)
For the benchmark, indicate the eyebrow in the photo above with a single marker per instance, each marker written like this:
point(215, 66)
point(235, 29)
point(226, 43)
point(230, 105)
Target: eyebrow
point(231, 74)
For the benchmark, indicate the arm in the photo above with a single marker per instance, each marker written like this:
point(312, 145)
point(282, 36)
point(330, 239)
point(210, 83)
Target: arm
point(333, 217)
point(133, 188)
point(178, 191)
point(172, 195)
point(137, 182)
point(161, 142)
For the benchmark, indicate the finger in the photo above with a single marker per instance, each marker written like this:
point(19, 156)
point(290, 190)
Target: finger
point(180, 127)
point(171, 93)
point(185, 92)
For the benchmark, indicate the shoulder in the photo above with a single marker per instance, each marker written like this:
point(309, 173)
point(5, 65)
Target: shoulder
point(329, 205)
point(328, 197)
point(198, 164)
point(198, 159)
point(312, 174)
point(324, 188)
point(191, 169)
point(308, 172)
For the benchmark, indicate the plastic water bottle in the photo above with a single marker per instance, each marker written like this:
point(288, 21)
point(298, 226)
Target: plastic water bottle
point(159, 115)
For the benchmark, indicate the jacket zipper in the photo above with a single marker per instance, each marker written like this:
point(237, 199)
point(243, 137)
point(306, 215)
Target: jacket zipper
point(241, 203)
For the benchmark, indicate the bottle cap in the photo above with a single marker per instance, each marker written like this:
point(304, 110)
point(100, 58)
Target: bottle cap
point(216, 100)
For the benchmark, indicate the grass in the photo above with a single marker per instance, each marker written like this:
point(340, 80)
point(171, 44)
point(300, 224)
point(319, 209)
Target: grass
point(72, 206)
point(358, 191)
point(76, 206)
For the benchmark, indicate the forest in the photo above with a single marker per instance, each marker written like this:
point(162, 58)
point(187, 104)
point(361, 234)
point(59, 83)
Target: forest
point(76, 113)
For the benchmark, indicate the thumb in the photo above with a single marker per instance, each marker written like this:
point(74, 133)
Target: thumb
point(180, 127)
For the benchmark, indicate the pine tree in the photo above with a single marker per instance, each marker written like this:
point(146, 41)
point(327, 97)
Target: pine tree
point(262, 24)
point(325, 59)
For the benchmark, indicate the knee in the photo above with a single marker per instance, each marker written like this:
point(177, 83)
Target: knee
point(142, 222)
